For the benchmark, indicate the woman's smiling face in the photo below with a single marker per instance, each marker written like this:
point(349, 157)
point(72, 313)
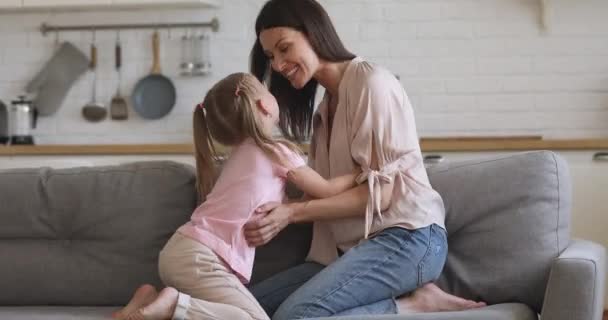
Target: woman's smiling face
point(290, 54)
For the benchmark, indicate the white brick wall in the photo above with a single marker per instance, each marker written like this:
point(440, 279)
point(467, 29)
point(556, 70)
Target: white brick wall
point(469, 66)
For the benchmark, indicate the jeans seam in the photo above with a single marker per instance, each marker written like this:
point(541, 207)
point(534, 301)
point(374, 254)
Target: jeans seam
point(349, 281)
point(424, 257)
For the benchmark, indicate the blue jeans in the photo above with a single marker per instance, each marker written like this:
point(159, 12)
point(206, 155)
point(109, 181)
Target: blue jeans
point(365, 280)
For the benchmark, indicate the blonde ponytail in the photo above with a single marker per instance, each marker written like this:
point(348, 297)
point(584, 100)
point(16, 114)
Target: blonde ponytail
point(228, 115)
point(205, 153)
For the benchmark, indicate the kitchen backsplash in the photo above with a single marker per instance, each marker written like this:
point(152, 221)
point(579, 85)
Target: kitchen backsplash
point(470, 67)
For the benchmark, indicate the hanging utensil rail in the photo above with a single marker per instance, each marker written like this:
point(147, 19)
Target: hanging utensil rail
point(214, 24)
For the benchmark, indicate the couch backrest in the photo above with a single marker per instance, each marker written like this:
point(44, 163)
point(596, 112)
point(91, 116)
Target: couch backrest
point(507, 218)
point(90, 236)
point(87, 236)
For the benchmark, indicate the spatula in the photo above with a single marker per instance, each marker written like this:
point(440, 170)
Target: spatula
point(118, 106)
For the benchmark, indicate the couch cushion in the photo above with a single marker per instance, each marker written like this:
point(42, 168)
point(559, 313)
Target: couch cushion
point(57, 313)
point(88, 236)
point(504, 311)
point(507, 218)
point(507, 311)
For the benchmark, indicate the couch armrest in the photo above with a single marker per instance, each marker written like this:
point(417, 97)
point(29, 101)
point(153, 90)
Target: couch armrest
point(576, 283)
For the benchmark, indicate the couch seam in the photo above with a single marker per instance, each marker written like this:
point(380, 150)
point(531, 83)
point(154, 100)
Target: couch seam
point(513, 155)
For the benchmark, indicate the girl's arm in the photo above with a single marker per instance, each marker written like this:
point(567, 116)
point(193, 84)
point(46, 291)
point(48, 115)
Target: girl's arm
point(346, 204)
point(314, 185)
point(277, 216)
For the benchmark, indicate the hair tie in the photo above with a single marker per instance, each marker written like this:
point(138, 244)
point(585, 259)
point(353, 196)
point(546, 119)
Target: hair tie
point(238, 89)
point(201, 106)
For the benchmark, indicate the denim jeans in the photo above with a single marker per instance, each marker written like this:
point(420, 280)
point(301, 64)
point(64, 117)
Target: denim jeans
point(365, 280)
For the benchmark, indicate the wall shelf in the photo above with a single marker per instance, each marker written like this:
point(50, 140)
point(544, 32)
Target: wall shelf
point(26, 6)
point(214, 25)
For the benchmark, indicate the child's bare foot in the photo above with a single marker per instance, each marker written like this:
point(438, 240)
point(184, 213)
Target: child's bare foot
point(142, 296)
point(162, 308)
point(430, 298)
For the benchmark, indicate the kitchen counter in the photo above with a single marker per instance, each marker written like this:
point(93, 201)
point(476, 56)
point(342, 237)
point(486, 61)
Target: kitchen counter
point(427, 145)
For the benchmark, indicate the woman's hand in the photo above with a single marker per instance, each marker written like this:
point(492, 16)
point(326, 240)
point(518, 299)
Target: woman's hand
point(271, 218)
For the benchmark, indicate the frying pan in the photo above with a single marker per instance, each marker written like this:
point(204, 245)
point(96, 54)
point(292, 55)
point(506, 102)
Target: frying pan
point(154, 95)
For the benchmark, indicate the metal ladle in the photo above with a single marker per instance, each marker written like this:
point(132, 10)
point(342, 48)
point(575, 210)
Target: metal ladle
point(94, 111)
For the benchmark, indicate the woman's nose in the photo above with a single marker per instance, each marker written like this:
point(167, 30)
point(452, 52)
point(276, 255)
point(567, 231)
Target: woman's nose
point(277, 65)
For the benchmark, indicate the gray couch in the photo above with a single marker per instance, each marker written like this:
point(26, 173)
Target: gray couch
point(75, 243)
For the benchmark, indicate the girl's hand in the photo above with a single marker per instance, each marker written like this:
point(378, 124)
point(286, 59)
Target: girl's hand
point(271, 218)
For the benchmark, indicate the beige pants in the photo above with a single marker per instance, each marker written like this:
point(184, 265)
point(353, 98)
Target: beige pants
point(208, 289)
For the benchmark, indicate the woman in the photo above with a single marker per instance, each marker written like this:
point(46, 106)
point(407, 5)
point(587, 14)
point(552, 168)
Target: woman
point(384, 238)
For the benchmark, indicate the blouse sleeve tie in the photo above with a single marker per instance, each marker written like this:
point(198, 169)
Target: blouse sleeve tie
point(375, 180)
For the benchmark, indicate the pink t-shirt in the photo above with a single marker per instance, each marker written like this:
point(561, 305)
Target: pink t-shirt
point(248, 180)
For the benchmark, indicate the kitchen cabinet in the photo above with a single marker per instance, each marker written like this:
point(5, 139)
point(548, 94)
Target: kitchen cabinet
point(589, 176)
point(590, 188)
point(11, 4)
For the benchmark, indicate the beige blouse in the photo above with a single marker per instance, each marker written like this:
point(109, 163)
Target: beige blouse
point(374, 121)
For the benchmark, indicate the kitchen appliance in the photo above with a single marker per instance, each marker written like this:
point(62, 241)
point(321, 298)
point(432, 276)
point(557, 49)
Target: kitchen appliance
point(23, 117)
point(4, 133)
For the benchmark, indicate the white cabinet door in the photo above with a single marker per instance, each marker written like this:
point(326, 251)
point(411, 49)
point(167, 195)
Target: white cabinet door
point(10, 3)
point(64, 3)
point(590, 196)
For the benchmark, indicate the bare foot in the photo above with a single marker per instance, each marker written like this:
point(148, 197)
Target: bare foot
point(160, 309)
point(142, 296)
point(430, 298)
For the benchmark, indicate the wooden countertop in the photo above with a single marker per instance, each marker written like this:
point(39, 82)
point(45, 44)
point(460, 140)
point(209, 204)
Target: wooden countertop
point(460, 144)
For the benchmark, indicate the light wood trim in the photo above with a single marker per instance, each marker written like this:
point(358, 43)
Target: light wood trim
point(506, 144)
point(427, 145)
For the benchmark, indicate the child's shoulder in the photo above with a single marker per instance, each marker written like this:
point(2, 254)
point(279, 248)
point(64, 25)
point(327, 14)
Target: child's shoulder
point(248, 150)
point(293, 157)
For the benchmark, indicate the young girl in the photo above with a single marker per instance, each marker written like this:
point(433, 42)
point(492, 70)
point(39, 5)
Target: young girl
point(206, 262)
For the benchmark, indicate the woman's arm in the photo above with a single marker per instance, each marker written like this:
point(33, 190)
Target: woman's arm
point(347, 204)
point(313, 184)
